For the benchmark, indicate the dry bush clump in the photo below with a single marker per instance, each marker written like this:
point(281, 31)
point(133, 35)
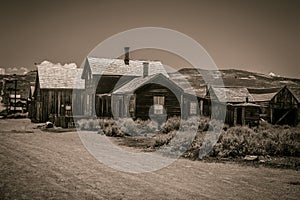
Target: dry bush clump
point(119, 128)
point(273, 141)
point(239, 141)
point(105, 126)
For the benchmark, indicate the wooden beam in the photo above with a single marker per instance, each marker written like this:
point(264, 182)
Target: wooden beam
point(235, 117)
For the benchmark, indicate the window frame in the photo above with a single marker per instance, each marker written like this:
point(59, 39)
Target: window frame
point(193, 108)
point(158, 105)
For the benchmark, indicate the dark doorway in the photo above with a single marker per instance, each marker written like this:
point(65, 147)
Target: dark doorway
point(285, 116)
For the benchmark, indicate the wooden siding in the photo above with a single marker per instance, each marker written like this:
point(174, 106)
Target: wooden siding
point(284, 108)
point(51, 103)
point(144, 101)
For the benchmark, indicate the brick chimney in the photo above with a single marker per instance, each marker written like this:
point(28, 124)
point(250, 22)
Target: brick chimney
point(126, 59)
point(145, 69)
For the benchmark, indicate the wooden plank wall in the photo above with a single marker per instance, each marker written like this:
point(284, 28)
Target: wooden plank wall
point(53, 103)
point(144, 100)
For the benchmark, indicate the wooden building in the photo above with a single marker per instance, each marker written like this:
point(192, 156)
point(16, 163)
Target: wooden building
point(284, 107)
point(132, 88)
point(153, 96)
point(58, 94)
point(296, 93)
point(237, 102)
point(103, 75)
point(262, 97)
point(278, 105)
point(243, 114)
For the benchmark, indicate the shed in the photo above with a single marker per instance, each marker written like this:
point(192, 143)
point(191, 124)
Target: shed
point(284, 107)
point(58, 93)
point(243, 114)
point(262, 97)
point(237, 102)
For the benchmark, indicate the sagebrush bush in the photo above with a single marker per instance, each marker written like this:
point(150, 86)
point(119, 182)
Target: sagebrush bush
point(241, 141)
point(172, 124)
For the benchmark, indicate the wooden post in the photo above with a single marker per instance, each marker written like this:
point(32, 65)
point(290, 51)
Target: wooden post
point(201, 107)
point(102, 106)
point(107, 107)
point(235, 117)
point(182, 106)
point(243, 116)
point(271, 115)
point(58, 104)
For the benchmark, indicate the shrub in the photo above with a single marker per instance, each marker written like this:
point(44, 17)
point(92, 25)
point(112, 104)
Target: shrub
point(241, 141)
point(163, 139)
point(172, 124)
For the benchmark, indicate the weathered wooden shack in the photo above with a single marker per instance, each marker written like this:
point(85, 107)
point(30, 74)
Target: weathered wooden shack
point(278, 105)
point(296, 93)
point(262, 97)
point(237, 102)
point(243, 114)
point(284, 107)
point(58, 93)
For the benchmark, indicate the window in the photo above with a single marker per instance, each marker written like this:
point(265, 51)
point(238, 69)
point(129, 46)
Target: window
point(158, 102)
point(193, 108)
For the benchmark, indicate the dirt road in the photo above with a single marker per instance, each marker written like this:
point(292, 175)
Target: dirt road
point(41, 165)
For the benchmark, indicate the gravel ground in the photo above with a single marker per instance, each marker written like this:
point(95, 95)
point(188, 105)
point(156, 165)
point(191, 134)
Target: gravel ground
point(42, 165)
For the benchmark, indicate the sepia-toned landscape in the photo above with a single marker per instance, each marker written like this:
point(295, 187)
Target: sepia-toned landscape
point(138, 99)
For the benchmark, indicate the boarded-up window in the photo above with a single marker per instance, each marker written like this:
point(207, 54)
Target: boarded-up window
point(159, 102)
point(193, 108)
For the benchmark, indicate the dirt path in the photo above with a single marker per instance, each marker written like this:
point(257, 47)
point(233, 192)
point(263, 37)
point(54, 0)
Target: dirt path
point(40, 165)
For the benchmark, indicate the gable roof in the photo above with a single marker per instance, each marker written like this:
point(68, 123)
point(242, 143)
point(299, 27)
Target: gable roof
point(131, 86)
point(263, 94)
point(230, 94)
point(56, 76)
point(112, 66)
point(296, 92)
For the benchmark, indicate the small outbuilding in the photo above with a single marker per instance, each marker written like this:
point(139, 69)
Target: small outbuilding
point(58, 94)
point(284, 107)
point(237, 103)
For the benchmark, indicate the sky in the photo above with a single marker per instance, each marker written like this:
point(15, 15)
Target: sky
point(257, 35)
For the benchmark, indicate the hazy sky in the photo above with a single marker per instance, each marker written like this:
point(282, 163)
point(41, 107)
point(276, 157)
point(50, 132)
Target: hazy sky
point(261, 35)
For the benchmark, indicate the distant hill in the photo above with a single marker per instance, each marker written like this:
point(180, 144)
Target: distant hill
point(233, 77)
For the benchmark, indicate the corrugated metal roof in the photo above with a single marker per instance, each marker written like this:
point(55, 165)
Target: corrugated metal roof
point(136, 83)
point(112, 66)
point(56, 76)
point(231, 94)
